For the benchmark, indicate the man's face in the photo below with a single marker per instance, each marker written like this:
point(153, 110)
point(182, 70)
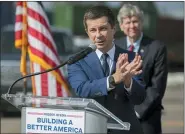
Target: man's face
point(100, 33)
point(132, 27)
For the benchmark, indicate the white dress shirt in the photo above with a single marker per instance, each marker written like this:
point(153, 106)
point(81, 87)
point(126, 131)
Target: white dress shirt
point(110, 61)
point(136, 44)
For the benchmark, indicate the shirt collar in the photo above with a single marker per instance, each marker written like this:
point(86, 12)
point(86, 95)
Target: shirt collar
point(111, 53)
point(137, 43)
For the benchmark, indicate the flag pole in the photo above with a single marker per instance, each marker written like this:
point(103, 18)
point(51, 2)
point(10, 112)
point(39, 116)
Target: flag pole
point(21, 38)
point(25, 83)
point(24, 48)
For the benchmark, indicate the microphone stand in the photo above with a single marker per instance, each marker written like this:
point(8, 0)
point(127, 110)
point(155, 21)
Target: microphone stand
point(71, 60)
point(29, 75)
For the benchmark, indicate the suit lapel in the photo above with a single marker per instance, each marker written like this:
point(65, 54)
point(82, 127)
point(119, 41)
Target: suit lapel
point(143, 47)
point(124, 40)
point(116, 55)
point(94, 63)
point(117, 52)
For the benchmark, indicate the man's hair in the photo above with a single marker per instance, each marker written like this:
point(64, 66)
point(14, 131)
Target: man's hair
point(129, 10)
point(99, 11)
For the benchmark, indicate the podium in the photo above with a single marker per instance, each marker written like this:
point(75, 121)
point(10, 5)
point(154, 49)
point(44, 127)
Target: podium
point(41, 114)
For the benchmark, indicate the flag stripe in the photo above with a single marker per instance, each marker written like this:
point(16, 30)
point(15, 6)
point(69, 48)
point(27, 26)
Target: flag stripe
point(18, 26)
point(42, 38)
point(19, 3)
point(44, 82)
point(20, 9)
point(18, 35)
point(59, 90)
point(52, 83)
point(64, 93)
point(19, 18)
point(37, 79)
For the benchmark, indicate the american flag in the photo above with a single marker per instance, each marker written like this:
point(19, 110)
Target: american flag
point(32, 35)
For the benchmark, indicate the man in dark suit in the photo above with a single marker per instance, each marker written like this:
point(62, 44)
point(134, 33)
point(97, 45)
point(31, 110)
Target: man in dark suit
point(154, 56)
point(108, 75)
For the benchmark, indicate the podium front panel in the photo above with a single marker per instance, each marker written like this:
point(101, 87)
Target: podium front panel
point(46, 120)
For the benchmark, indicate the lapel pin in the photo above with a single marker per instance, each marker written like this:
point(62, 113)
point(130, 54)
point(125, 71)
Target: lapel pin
point(141, 51)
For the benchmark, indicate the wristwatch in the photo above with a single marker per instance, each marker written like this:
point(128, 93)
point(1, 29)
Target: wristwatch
point(111, 81)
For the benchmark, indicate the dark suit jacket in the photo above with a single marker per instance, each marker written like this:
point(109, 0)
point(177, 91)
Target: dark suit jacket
point(154, 55)
point(86, 77)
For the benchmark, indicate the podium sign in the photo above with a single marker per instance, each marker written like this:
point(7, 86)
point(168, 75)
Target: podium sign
point(40, 120)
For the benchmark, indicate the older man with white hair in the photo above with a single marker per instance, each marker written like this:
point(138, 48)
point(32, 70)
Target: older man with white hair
point(154, 56)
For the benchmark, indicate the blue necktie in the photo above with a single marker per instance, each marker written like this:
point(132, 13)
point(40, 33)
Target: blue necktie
point(105, 65)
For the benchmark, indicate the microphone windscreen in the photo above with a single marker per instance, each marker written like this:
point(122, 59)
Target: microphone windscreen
point(93, 47)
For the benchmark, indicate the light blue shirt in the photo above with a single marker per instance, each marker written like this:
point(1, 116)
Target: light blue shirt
point(136, 44)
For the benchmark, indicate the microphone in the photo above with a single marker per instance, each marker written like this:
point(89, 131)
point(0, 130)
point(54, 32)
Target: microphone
point(71, 60)
point(81, 54)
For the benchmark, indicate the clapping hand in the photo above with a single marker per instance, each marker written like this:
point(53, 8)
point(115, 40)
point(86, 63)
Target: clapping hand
point(134, 67)
point(125, 70)
point(121, 72)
